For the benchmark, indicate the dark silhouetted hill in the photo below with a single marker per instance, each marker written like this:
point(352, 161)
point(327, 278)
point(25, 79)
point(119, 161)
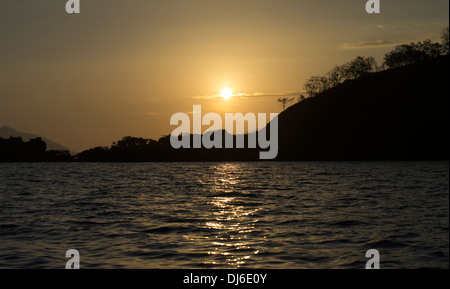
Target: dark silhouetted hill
point(397, 114)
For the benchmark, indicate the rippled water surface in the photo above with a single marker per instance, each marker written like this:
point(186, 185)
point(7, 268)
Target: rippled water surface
point(225, 215)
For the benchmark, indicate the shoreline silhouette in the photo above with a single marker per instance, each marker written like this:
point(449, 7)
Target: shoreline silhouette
point(357, 111)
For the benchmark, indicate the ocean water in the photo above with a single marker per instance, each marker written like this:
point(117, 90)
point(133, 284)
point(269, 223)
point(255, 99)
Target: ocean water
point(262, 215)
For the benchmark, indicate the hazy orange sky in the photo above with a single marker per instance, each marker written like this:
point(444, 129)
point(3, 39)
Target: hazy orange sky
point(124, 67)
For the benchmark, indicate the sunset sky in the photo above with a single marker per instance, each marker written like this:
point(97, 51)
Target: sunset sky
point(124, 67)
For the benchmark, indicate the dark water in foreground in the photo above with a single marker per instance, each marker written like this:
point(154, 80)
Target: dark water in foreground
point(225, 215)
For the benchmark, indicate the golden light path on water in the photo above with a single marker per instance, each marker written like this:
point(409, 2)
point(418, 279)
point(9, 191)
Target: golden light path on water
point(230, 222)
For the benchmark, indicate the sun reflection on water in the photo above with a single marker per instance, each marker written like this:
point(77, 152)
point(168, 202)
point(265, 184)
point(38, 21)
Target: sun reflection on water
point(232, 221)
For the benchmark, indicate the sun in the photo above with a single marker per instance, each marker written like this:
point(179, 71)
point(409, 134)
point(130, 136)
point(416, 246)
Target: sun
point(226, 93)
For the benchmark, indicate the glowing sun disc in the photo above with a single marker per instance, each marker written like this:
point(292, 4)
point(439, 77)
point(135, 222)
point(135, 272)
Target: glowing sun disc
point(226, 93)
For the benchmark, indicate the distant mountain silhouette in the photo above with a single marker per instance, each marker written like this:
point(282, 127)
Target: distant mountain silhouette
point(6, 132)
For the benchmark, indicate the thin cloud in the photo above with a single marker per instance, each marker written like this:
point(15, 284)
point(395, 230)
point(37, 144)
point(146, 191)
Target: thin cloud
point(371, 44)
point(251, 95)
